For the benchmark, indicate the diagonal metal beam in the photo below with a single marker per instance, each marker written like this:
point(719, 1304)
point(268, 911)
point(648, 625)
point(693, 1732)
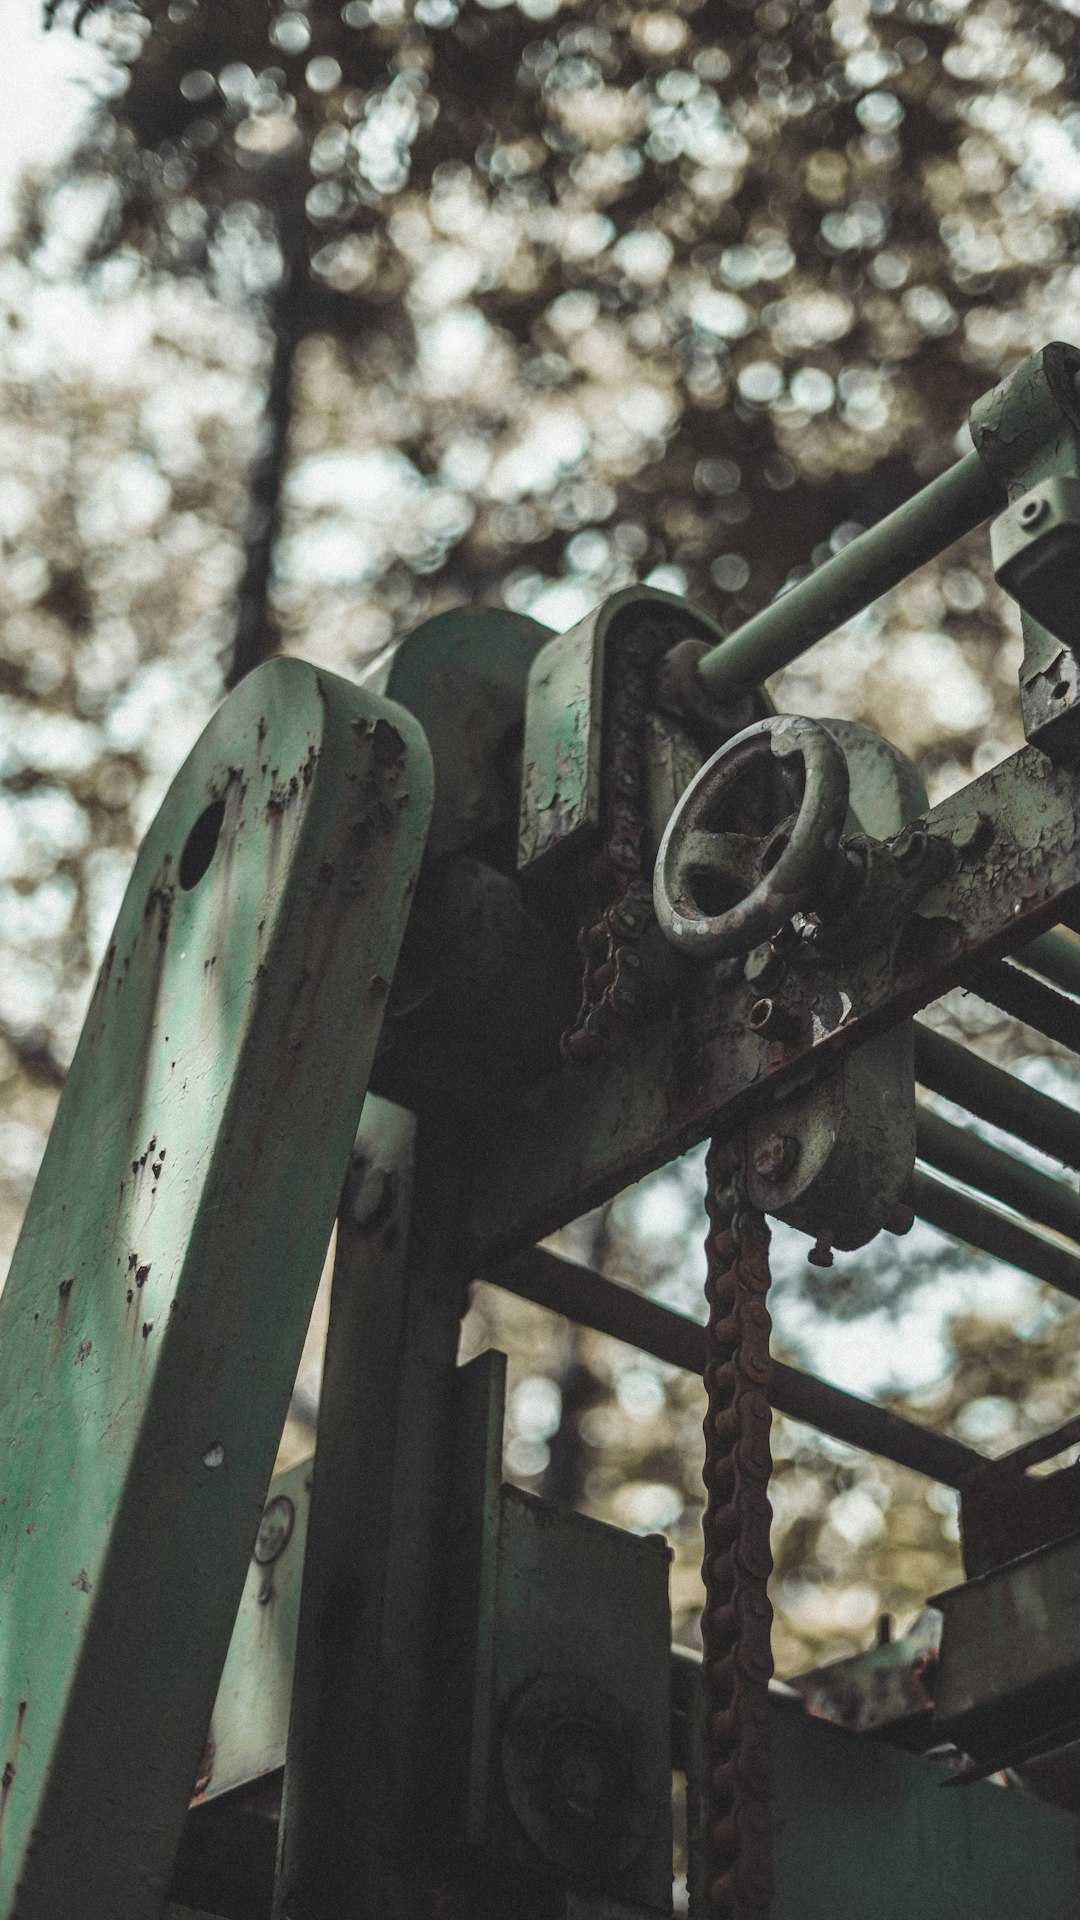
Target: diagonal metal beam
point(587, 1297)
point(996, 1096)
point(1004, 868)
point(161, 1289)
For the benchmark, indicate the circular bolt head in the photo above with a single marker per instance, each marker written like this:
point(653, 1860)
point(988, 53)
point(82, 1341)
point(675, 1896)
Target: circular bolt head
point(275, 1529)
point(909, 848)
point(1032, 510)
point(775, 1156)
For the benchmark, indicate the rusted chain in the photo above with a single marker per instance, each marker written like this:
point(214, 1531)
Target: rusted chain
point(736, 1870)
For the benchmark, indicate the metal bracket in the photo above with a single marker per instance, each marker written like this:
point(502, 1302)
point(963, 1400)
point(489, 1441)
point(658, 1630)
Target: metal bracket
point(1027, 432)
point(561, 795)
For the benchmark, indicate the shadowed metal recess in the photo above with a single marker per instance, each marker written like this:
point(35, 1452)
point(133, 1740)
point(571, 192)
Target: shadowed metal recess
point(474, 955)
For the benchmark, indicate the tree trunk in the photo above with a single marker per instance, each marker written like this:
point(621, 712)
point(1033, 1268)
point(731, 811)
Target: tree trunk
point(256, 636)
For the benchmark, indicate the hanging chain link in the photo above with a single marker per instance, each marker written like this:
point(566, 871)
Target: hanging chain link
point(736, 1871)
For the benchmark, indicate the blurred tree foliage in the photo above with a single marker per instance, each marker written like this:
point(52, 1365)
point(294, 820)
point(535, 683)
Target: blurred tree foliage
point(341, 315)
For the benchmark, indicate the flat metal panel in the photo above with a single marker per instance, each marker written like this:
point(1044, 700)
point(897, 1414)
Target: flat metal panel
point(161, 1289)
point(250, 1720)
point(1013, 1630)
point(863, 1829)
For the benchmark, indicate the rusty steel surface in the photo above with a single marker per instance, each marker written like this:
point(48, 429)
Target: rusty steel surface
point(735, 1866)
point(160, 1292)
point(995, 865)
point(889, 1686)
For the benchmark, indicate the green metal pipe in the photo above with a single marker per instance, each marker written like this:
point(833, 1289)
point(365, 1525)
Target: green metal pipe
point(999, 1097)
point(1056, 957)
point(963, 1156)
point(1023, 997)
point(952, 505)
point(978, 1225)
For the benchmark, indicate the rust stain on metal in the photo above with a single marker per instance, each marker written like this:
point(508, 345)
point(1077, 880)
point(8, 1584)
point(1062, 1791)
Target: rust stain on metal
point(82, 1581)
point(387, 745)
point(206, 1769)
point(83, 1351)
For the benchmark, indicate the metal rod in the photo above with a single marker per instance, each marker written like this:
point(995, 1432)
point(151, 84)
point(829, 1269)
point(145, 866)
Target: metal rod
point(981, 1226)
point(952, 505)
point(1056, 957)
point(1028, 1000)
point(964, 1156)
point(999, 1097)
point(1043, 1448)
point(593, 1301)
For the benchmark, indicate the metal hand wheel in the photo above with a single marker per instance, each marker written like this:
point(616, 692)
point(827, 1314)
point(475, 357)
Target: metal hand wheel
point(718, 894)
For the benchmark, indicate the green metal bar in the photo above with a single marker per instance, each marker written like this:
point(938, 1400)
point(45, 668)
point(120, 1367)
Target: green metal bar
point(995, 1233)
point(161, 1289)
point(1044, 1447)
point(952, 505)
point(969, 1081)
point(591, 1300)
point(1019, 994)
point(334, 1804)
point(964, 1156)
point(1056, 957)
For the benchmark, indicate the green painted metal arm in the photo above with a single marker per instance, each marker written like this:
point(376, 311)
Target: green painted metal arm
point(160, 1292)
point(953, 504)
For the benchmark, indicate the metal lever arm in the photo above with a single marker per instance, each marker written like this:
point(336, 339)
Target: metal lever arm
point(792, 865)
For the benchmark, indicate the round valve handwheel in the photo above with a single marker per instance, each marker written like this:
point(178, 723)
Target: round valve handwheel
point(771, 876)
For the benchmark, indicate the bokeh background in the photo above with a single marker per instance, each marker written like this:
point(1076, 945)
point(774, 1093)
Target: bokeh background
point(318, 319)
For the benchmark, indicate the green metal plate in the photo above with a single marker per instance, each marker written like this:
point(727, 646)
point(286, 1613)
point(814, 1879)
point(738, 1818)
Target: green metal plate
point(250, 1720)
point(560, 784)
point(863, 1829)
point(463, 675)
point(159, 1294)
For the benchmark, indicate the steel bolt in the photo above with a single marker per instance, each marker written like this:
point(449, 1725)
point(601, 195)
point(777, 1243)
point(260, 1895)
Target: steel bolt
point(1031, 511)
point(764, 968)
point(909, 848)
point(776, 1156)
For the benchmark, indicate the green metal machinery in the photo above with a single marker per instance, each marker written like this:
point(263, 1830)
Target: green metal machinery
point(453, 963)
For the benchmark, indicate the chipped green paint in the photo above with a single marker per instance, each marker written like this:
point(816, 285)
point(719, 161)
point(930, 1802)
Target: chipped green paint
point(560, 784)
point(160, 1292)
